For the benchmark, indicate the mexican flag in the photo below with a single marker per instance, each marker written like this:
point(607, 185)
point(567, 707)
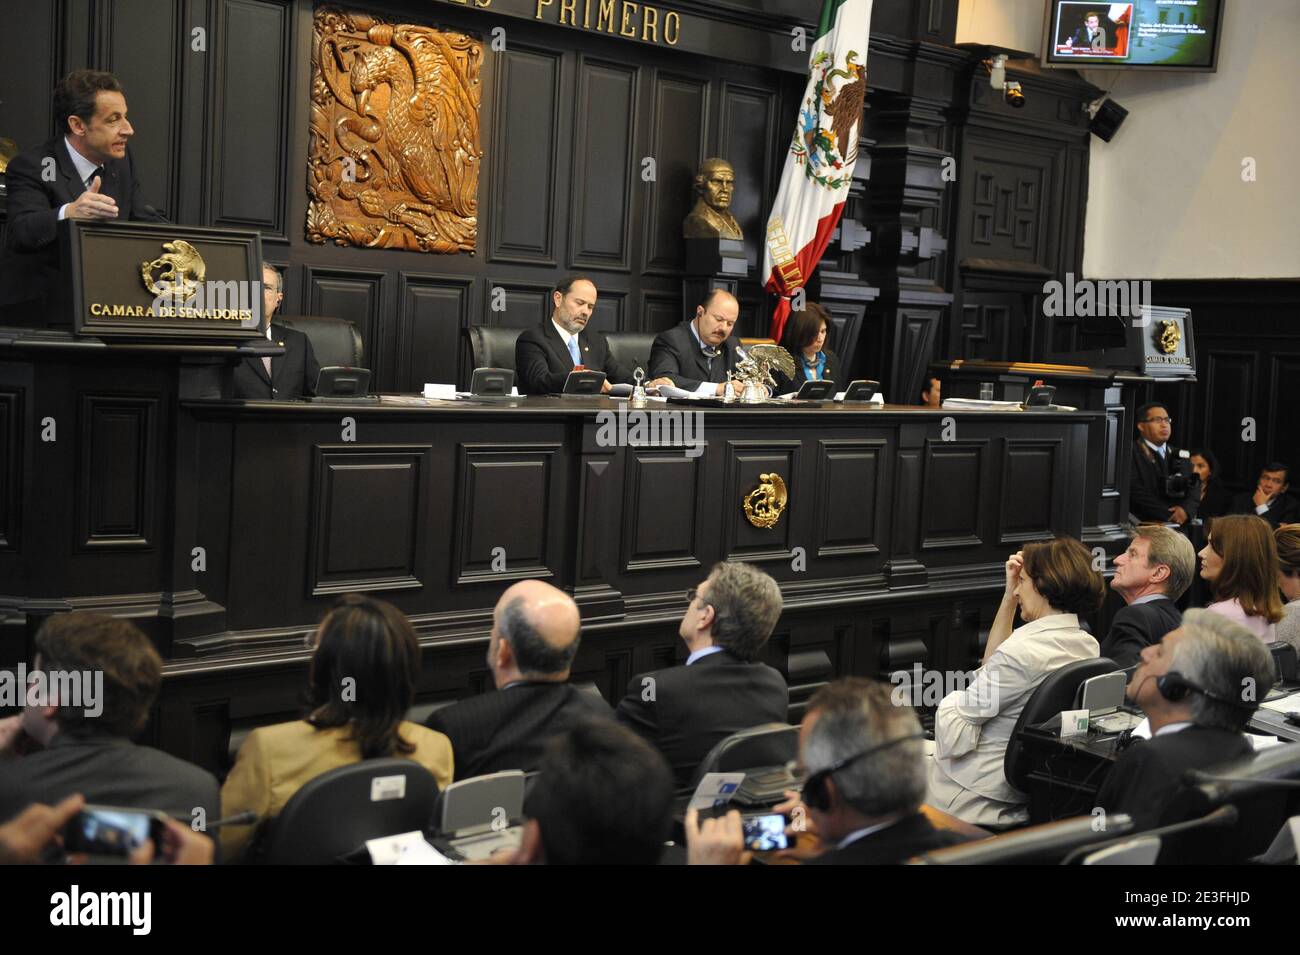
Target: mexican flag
point(819, 166)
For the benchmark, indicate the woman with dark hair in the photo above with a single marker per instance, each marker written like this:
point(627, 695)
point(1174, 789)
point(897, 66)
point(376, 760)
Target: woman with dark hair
point(1287, 538)
point(360, 684)
point(1240, 563)
point(1215, 499)
point(1053, 584)
point(805, 338)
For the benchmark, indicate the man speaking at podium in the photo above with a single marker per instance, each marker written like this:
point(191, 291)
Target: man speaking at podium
point(84, 173)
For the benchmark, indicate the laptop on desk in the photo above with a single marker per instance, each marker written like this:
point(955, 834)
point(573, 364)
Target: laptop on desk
point(1103, 698)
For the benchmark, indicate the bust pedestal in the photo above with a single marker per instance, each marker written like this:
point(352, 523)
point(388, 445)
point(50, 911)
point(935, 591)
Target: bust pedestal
point(716, 256)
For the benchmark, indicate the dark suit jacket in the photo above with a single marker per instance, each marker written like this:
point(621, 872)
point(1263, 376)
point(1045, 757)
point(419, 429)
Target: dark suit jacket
point(676, 354)
point(111, 771)
point(1149, 775)
point(1283, 509)
point(893, 845)
point(1137, 626)
point(542, 361)
point(833, 371)
point(1097, 43)
point(29, 268)
point(697, 706)
point(1216, 501)
point(293, 374)
point(1147, 498)
point(509, 728)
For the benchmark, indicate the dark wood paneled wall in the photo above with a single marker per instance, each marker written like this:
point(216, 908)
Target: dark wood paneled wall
point(569, 117)
point(1244, 402)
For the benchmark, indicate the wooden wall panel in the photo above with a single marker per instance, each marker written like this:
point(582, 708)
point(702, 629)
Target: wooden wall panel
point(250, 118)
point(848, 497)
point(11, 467)
point(660, 312)
point(679, 126)
point(660, 483)
point(117, 462)
point(745, 462)
point(604, 172)
point(526, 303)
point(368, 506)
point(1030, 464)
point(952, 497)
point(433, 310)
point(503, 505)
point(354, 295)
point(152, 91)
point(525, 181)
point(746, 136)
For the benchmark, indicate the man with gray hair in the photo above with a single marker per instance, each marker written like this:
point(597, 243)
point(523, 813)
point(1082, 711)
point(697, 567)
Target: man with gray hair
point(530, 653)
point(1155, 570)
point(866, 768)
point(1198, 688)
point(723, 688)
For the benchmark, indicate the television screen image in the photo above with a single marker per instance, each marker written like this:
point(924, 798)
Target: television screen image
point(1142, 34)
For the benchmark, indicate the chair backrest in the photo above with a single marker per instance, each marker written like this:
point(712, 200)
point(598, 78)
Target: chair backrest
point(335, 341)
point(1047, 844)
point(770, 744)
point(482, 801)
point(334, 814)
point(1139, 851)
point(631, 349)
point(493, 346)
point(1284, 661)
point(1054, 695)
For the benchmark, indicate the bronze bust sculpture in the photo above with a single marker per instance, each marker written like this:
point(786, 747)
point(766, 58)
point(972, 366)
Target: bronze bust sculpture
point(711, 217)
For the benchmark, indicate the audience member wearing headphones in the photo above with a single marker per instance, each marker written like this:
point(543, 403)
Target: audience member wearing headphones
point(1240, 563)
point(866, 780)
point(1198, 688)
point(1288, 554)
point(1051, 583)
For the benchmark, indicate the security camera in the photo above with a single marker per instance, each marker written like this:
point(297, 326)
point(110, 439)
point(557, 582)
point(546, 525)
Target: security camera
point(1011, 92)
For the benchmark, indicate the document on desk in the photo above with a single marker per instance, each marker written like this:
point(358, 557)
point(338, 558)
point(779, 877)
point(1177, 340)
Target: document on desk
point(971, 404)
point(1288, 704)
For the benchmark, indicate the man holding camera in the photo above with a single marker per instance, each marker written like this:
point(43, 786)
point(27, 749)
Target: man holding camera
point(1163, 488)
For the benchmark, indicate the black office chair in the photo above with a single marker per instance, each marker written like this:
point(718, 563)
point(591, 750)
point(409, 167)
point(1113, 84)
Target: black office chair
point(1054, 695)
point(330, 818)
point(1284, 661)
point(334, 341)
point(493, 346)
point(631, 349)
point(770, 744)
point(1047, 844)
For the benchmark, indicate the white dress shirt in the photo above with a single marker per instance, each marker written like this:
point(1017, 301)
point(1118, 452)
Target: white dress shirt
point(973, 726)
point(84, 169)
point(703, 652)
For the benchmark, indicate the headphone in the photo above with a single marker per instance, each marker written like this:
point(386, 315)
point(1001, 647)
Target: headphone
point(815, 794)
point(1174, 687)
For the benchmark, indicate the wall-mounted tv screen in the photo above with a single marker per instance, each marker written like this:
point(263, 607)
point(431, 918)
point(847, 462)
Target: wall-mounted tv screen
point(1139, 35)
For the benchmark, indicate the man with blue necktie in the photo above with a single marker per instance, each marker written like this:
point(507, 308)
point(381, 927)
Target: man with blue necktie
point(547, 353)
point(84, 172)
point(1163, 488)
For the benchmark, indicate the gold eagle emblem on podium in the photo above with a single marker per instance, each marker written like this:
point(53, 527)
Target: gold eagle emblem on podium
point(765, 504)
point(1168, 335)
point(177, 273)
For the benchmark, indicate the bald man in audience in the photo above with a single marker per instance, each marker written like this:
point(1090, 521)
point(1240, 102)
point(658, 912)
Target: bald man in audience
point(533, 643)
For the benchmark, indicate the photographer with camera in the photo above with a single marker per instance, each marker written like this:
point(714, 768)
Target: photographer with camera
point(1163, 487)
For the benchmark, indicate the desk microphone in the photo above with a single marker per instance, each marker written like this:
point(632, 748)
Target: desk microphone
point(154, 213)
